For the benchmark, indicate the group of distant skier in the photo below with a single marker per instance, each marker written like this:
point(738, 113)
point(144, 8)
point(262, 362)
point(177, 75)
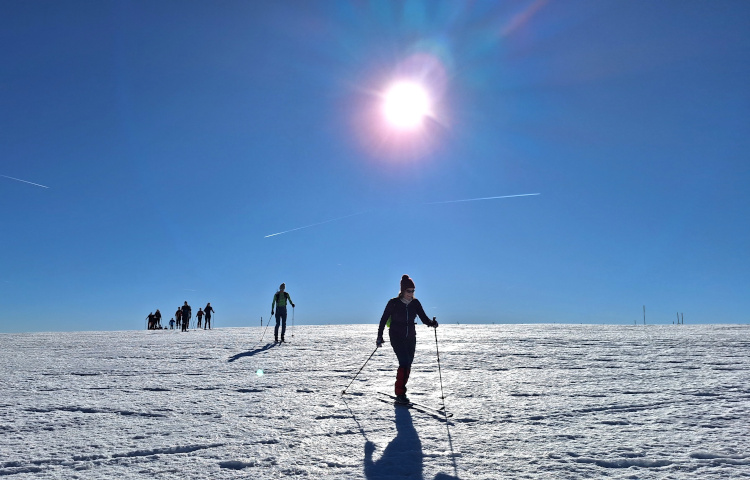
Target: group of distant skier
point(399, 317)
point(154, 320)
point(182, 318)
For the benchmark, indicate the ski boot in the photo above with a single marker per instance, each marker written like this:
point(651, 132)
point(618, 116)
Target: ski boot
point(403, 399)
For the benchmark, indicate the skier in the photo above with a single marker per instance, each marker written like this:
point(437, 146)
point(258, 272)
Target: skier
point(200, 317)
point(178, 317)
point(171, 324)
point(208, 310)
point(150, 318)
point(157, 318)
point(279, 300)
point(187, 313)
point(398, 316)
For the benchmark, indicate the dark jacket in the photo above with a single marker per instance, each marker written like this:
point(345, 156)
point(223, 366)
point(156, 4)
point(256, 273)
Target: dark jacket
point(402, 318)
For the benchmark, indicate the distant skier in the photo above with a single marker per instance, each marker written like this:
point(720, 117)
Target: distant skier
point(200, 317)
point(171, 324)
point(279, 300)
point(187, 314)
point(178, 317)
point(157, 318)
point(208, 311)
point(399, 316)
point(151, 321)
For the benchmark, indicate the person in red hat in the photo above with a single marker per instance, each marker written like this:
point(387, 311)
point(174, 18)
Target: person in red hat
point(399, 316)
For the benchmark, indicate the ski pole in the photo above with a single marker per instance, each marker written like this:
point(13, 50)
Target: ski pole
point(292, 321)
point(264, 331)
point(440, 372)
point(363, 366)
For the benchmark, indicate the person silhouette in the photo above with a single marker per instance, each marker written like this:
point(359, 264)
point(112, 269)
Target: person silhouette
point(280, 299)
point(187, 313)
point(200, 317)
point(208, 311)
point(398, 316)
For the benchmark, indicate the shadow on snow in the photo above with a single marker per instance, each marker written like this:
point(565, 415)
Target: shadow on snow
point(403, 457)
point(250, 353)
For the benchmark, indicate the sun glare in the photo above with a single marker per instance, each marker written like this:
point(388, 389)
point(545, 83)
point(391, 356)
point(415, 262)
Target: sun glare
point(405, 105)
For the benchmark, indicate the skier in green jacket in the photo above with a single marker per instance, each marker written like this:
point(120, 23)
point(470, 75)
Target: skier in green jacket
point(279, 301)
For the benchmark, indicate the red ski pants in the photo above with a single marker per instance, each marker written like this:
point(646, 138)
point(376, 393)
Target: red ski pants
point(402, 376)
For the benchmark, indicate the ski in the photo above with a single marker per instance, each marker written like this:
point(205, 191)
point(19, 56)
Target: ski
point(418, 406)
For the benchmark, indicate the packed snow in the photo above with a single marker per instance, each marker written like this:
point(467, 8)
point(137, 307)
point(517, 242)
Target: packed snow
point(529, 402)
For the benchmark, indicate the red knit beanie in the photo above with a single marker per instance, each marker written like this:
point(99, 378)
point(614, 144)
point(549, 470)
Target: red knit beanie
point(406, 282)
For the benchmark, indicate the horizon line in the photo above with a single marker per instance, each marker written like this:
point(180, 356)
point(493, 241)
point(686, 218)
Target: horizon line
point(451, 324)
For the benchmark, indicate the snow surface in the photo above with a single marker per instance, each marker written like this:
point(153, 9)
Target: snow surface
point(530, 402)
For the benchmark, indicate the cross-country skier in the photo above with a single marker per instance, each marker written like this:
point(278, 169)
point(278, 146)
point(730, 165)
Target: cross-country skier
point(200, 317)
point(208, 311)
point(187, 314)
point(398, 316)
point(279, 301)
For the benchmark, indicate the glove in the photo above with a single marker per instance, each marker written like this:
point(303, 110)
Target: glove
point(292, 305)
point(379, 342)
point(271, 312)
point(434, 323)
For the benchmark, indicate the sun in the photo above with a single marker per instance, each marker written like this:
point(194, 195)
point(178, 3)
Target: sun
point(406, 104)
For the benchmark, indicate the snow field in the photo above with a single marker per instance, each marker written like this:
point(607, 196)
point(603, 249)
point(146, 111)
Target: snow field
point(529, 402)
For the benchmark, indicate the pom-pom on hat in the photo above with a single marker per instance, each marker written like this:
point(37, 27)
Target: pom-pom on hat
point(406, 282)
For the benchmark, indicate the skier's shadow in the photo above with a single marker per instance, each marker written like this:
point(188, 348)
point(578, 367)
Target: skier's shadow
point(250, 353)
point(403, 457)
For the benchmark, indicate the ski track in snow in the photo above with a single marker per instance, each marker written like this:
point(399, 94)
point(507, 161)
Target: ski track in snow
point(529, 402)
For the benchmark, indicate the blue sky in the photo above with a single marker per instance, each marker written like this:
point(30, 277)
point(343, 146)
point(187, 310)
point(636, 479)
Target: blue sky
point(174, 136)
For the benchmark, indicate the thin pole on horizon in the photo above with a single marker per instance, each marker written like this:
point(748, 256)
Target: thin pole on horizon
point(644, 314)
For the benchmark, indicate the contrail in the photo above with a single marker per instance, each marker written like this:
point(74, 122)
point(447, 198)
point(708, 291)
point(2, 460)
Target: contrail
point(315, 224)
point(483, 198)
point(429, 203)
point(24, 181)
